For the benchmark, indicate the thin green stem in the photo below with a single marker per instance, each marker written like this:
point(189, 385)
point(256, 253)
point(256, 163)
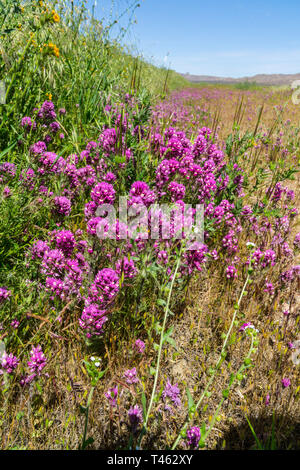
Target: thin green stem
point(160, 348)
point(218, 362)
point(241, 369)
point(162, 340)
point(89, 401)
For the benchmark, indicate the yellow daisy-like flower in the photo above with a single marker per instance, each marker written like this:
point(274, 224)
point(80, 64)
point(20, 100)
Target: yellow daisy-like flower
point(55, 16)
point(53, 49)
point(56, 51)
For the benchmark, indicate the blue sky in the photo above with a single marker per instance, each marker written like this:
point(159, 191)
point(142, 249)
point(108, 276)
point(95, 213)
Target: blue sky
point(225, 38)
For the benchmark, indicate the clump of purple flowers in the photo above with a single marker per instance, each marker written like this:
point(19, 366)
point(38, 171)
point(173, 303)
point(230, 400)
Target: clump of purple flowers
point(269, 288)
point(127, 267)
point(37, 360)
point(7, 171)
point(46, 112)
point(54, 126)
point(6, 192)
point(65, 240)
point(131, 376)
point(173, 393)
point(297, 241)
point(286, 382)
point(112, 395)
point(193, 437)
point(103, 193)
point(15, 324)
point(38, 148)
point(139, 346)
point(135, 416)
point(8, 363)
point(92, 320)
point(106, 286)
point(4, 294)
point(62, 205)
point(231, 272)
point(27, 123)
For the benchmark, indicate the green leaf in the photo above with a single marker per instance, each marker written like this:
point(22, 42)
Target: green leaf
point(101, 374)
point(203, 430)
point(167, 335)
point(89, 441)
point(171, 341)
point(259, 444)
point(4, 152)
point(161, 302)
point(190, 399)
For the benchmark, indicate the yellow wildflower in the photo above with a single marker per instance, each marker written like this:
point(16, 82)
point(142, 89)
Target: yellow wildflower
point(53, 49)
point(55, 16)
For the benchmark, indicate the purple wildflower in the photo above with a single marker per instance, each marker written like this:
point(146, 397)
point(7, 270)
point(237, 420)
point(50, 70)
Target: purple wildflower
point(245, 326)
point(103, 193)
point(4, 294)
point(131, 376)
point(297, 240)
point(37, 360)
point(112, 395)
point(92, 319)
point(286, 382)
point(139, 346)
point(269, 288)
point(135, 416)
point(65, 240)
point(231, 272)
point(172, 392)
point(62, 205)
point(106, 285)
point(54, 126)
point(193, 437)
point(127, 267)
point(6, 192)
point(8, 363)
point(15, 324)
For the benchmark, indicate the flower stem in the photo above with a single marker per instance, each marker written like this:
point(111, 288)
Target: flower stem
point(217, 365)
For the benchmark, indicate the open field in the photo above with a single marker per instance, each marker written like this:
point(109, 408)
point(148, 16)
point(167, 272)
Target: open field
point(111, 338)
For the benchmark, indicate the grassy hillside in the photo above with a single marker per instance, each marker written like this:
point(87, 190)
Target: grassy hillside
point(58, 51)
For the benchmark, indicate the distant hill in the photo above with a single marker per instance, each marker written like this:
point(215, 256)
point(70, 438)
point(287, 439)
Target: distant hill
point(260, 79)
